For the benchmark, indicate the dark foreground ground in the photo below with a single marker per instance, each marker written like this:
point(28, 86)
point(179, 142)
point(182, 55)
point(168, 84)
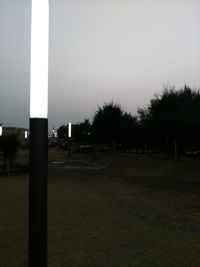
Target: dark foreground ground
point(135, 212)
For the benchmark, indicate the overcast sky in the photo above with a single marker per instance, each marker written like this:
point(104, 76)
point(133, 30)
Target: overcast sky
point(100, 50)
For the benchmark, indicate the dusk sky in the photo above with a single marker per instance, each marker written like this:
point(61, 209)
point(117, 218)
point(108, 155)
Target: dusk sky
point(99, 50)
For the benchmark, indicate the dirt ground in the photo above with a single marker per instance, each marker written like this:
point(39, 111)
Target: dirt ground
point(137, 211)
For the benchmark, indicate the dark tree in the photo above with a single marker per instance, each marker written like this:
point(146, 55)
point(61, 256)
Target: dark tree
point(85, 132)
point(107, 123)
point(130, 131)
point(168, 117)
point(62, 133)
point(9, 145)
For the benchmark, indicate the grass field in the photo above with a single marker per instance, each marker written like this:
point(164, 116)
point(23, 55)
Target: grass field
point(138, 211)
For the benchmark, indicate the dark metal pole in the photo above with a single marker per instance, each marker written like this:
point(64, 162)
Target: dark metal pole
point(175, 150)
point(69, 147)
point(38, 159)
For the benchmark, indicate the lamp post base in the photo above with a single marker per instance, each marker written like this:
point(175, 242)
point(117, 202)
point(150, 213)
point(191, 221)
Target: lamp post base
point(38, 163)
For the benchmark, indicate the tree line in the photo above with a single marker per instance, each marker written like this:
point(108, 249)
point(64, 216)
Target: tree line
point(170, 121)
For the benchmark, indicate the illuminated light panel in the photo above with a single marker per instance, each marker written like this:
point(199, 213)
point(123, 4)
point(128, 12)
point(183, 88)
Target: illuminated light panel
point(69, 129)
point(39, 59)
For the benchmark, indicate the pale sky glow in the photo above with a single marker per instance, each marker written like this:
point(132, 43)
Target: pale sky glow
point(102, 50)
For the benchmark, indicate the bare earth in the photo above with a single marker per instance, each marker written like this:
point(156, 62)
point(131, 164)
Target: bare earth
point(138, 211)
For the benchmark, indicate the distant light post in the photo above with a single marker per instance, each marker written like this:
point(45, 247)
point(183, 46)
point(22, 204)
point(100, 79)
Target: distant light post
point(69, 138)
point(1, 129)
point(69, 130)
point(38, 134)
point(26, 135)
point(53, 135)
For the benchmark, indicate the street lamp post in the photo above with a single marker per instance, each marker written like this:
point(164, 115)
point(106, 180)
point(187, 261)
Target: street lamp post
point(52, 135)
point(26, 138)
point(69, 138)
point(26, 134)
point(38, 134)
point(1, 129)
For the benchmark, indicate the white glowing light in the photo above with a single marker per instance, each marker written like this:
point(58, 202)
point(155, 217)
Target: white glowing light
point(39, 59)
point(26, 134)
point(1, 130)
point(69, 129)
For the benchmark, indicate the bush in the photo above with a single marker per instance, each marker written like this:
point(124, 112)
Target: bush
point(9, 145)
